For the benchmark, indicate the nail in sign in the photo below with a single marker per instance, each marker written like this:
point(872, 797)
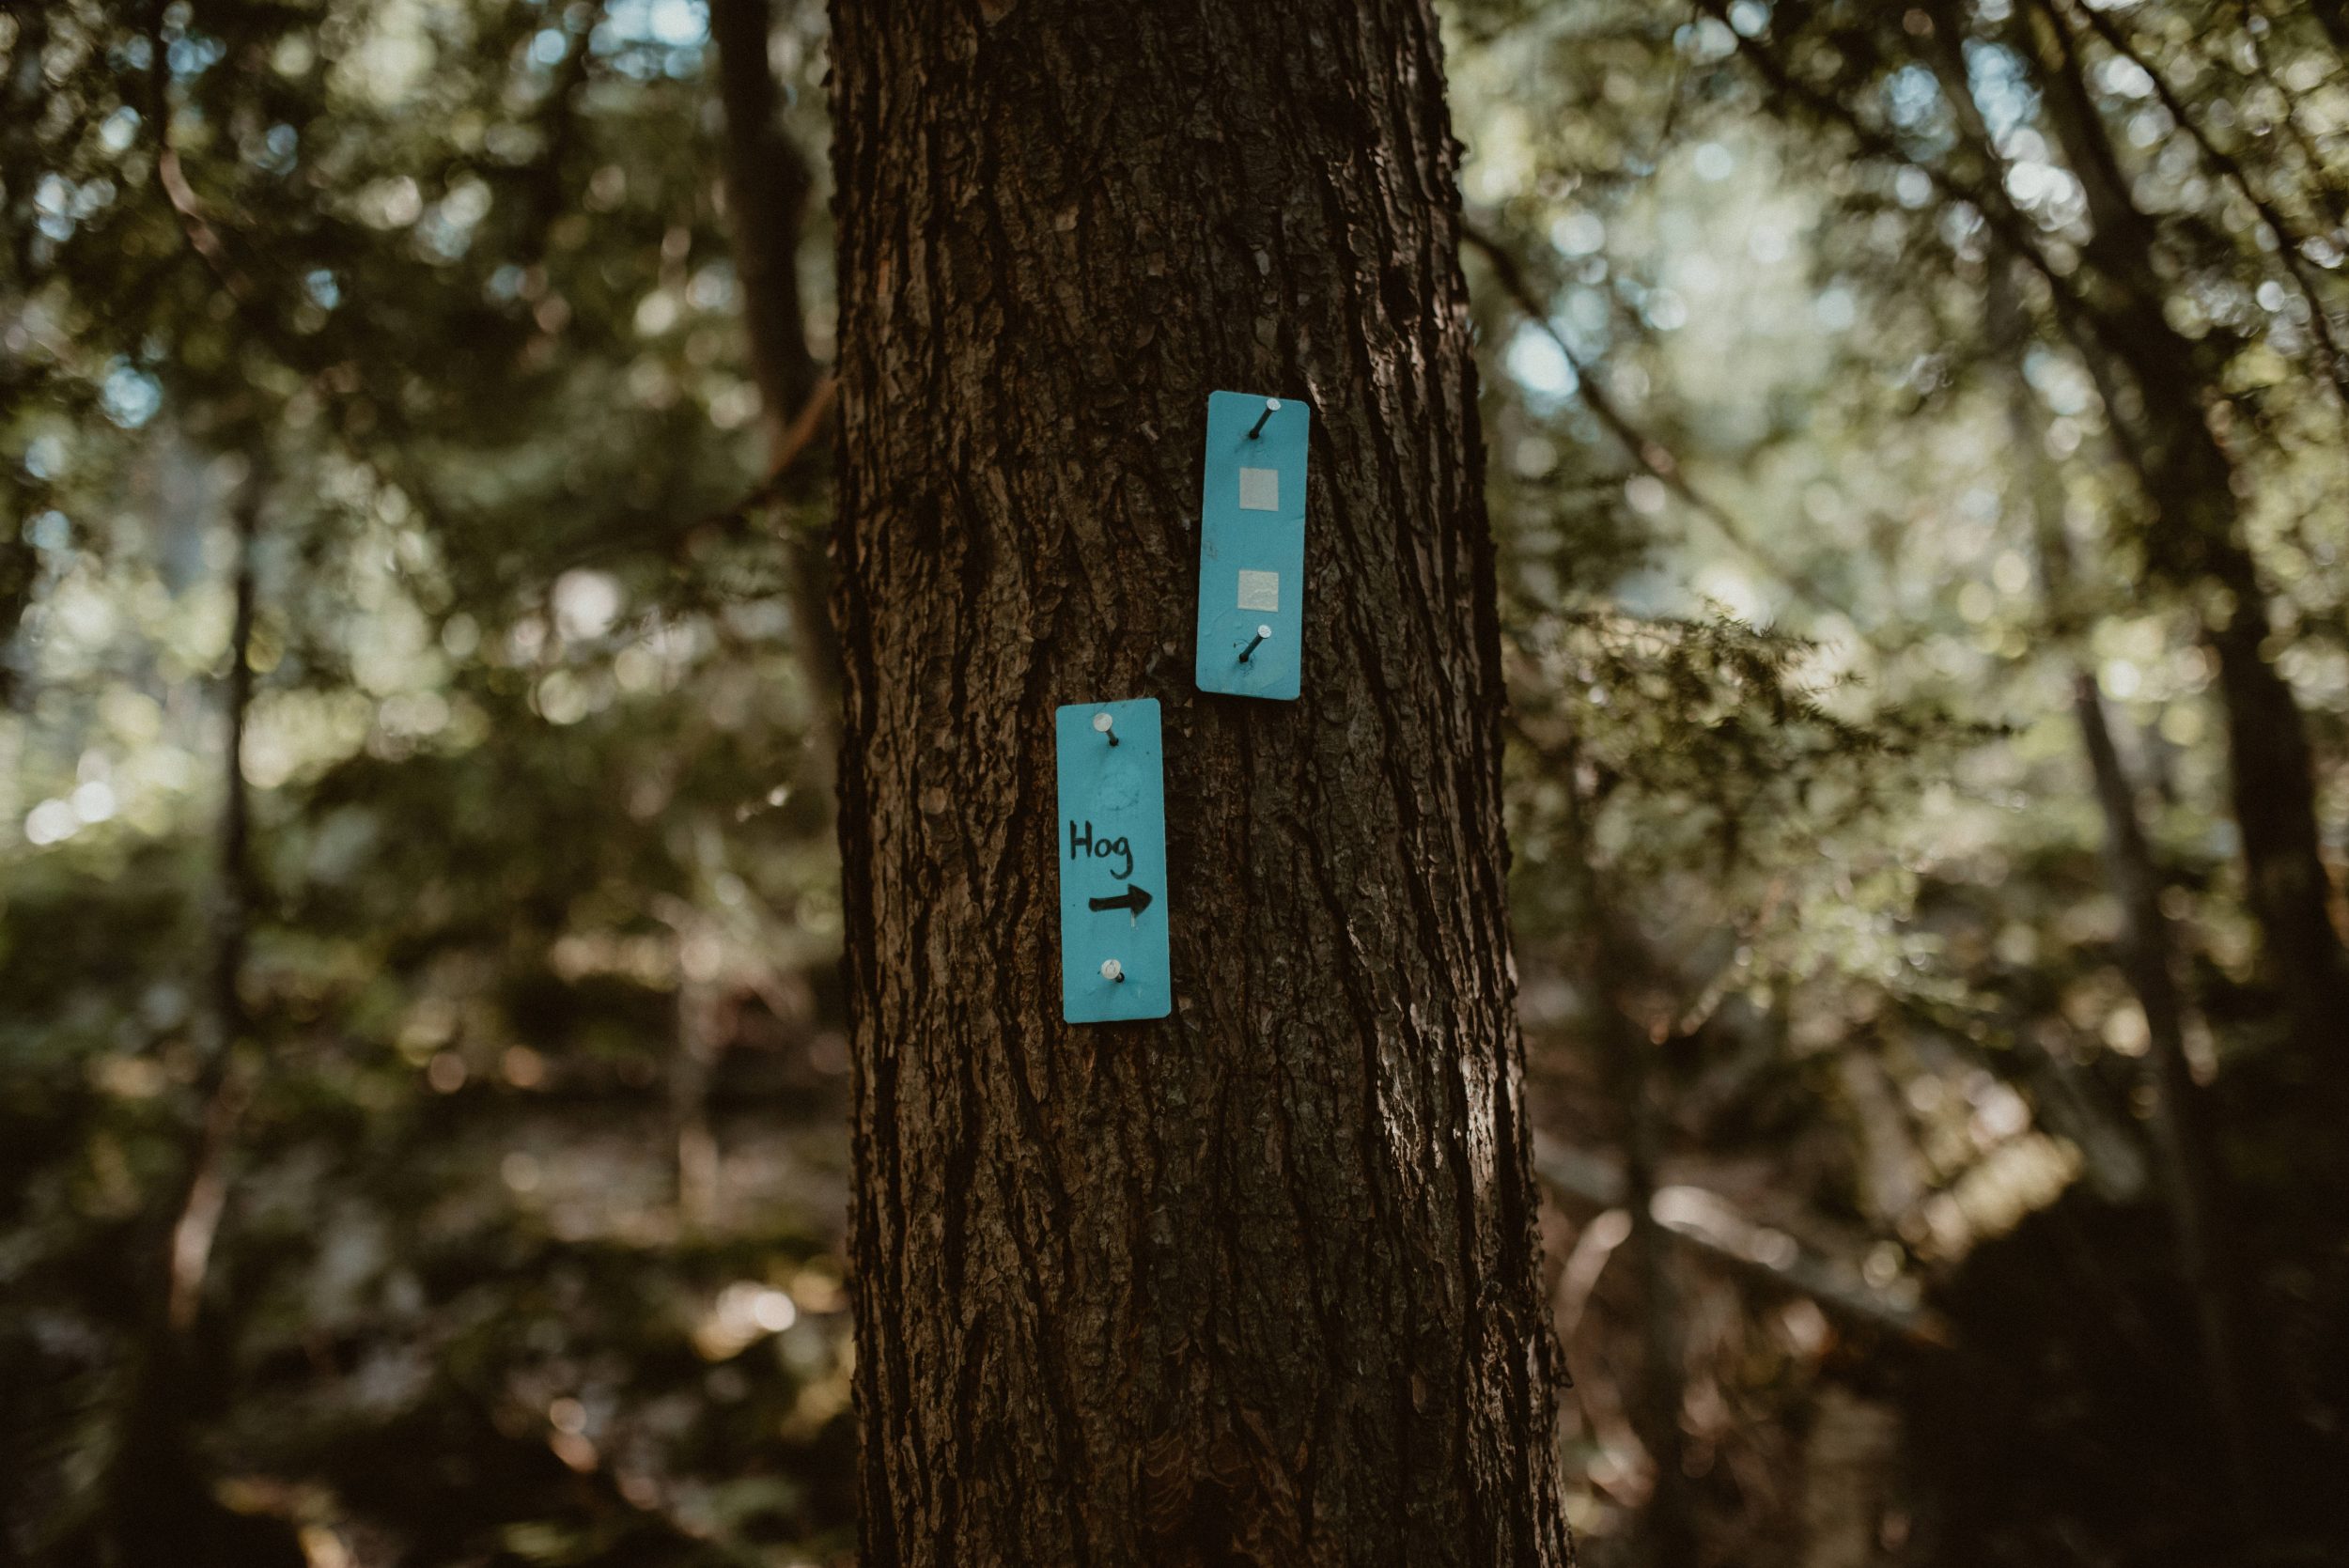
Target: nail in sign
point(1112, 862)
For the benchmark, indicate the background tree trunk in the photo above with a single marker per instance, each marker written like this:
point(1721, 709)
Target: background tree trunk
point(159, 1504)
point(767, 187)
point(2147, 947)
point(1255, 1283)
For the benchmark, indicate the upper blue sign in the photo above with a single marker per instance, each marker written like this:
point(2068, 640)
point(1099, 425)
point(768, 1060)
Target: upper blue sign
point(1112, 862)
point(1252, 546)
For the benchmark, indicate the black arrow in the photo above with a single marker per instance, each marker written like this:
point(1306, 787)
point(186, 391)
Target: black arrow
point(1133, 899)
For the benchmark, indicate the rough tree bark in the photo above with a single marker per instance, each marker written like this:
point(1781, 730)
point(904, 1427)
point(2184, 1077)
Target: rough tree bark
point(1255, 1283)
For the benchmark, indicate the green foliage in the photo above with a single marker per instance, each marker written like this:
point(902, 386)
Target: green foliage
point(532, 1150)
point(1796, 599)
point(510, 1043)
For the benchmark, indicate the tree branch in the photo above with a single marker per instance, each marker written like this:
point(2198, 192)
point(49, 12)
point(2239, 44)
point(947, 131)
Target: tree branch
point(1651, 455)
point(1710, 1226)
point(2288, 240)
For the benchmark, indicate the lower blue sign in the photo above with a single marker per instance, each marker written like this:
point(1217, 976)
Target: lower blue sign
point(1112, 862)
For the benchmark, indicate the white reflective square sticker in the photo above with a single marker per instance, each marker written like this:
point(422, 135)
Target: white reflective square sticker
point(1260, 590)
point(1259, 489)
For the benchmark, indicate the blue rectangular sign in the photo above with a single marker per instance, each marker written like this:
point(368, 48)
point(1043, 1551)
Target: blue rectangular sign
point(1112, 862)
point(1252, 546)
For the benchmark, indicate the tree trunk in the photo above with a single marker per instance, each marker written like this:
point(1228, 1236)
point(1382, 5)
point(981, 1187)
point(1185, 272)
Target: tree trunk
point(2147, 949)
point(158, 1504)
point(1668, 1537)
point(767, 187)
point(1633, 1022)
point(2188, 1179)
point(1256, 1282)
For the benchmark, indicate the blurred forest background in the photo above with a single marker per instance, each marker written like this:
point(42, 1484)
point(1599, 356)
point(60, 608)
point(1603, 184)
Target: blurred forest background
point(1915, 449)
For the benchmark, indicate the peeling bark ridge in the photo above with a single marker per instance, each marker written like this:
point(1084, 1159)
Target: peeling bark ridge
point(1255, 1281)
